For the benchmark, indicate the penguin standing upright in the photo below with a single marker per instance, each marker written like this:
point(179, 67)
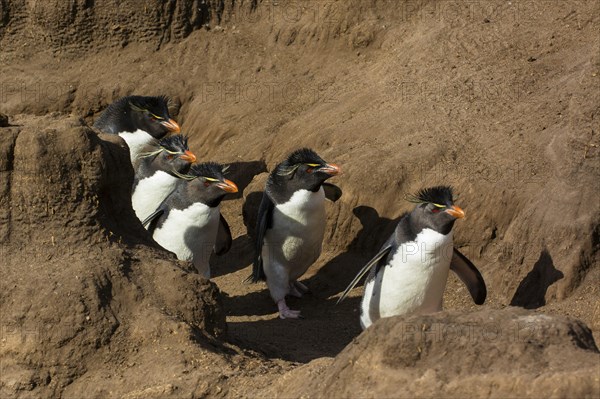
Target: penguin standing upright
point(140, 121)
point(158, 173)
point(189, 222)
point(291, 225)
point(408, 275)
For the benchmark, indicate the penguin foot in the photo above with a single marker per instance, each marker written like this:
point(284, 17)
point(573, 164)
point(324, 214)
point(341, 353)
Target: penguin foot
point(287, 313)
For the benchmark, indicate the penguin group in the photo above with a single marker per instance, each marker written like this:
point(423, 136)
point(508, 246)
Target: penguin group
point(174, 197)
point(178, 201)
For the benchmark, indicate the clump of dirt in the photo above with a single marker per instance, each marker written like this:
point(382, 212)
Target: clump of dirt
point(499, 353)
point(81, 280)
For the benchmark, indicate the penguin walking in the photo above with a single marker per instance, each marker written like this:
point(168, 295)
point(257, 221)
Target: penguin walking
point(189, 222)
point(409, 274)
point(139, 120)
point(291, 225)
point(158, 173)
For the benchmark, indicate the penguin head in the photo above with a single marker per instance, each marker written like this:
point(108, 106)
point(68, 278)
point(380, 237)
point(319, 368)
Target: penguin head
point(151, 114)
point(207, 183)
point(303, 169)
point(172, 155)
point(435, 209)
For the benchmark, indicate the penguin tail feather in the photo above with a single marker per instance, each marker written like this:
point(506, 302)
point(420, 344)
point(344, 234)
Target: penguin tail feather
point(254, 279)
point(258, 273)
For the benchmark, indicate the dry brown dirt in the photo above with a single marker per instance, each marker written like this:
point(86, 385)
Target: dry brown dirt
point(499, 99)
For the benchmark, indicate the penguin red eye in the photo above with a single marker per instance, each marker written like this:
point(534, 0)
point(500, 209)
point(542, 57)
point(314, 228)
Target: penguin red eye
point(435, 210)
point(169, 156)
point(309, 170)
point(206, 183)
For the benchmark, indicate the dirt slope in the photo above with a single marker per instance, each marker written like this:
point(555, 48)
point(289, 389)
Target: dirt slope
point(499, 99)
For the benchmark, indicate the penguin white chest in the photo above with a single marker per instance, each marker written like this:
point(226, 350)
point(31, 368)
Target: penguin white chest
point(298, 229)
point(190, 233)
point(150, 192)
point(413, 281)
point(137, 142)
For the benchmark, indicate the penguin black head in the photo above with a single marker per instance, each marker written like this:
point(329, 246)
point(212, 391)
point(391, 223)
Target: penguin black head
point(207, 183)
point(302, 169)
point(172, 155)
point(435, 209)
point(132, 113)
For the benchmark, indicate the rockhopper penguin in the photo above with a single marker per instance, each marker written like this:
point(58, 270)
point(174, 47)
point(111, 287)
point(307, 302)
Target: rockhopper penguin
point(158, 173)
point(140, 121)
point(408, 275)
point(189, 222)
point(291, 225)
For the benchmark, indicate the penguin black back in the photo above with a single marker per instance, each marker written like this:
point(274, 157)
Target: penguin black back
point(133, 113)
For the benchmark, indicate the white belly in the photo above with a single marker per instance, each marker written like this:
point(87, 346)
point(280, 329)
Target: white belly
point(413, 282)
point(190, 234)
point(294, 242)
point(150, 192)
point(138, 142)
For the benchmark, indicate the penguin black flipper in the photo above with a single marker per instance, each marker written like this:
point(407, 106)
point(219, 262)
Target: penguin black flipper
point(332, 192)
point(470, 276)
point(150, 222)
point(223, 242)
point(265, 221)
point(377, 260)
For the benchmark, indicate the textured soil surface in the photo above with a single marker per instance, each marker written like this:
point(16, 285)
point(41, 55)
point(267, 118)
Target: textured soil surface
point(499, 99)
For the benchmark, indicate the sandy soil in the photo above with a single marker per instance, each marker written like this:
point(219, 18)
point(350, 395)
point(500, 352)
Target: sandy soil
point(499, 99)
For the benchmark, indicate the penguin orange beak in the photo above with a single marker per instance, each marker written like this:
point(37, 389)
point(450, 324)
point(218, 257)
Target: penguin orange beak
point(228, 186)
point(456, 211)
point(172, 126)
point(331, 169)
point(188, 156)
